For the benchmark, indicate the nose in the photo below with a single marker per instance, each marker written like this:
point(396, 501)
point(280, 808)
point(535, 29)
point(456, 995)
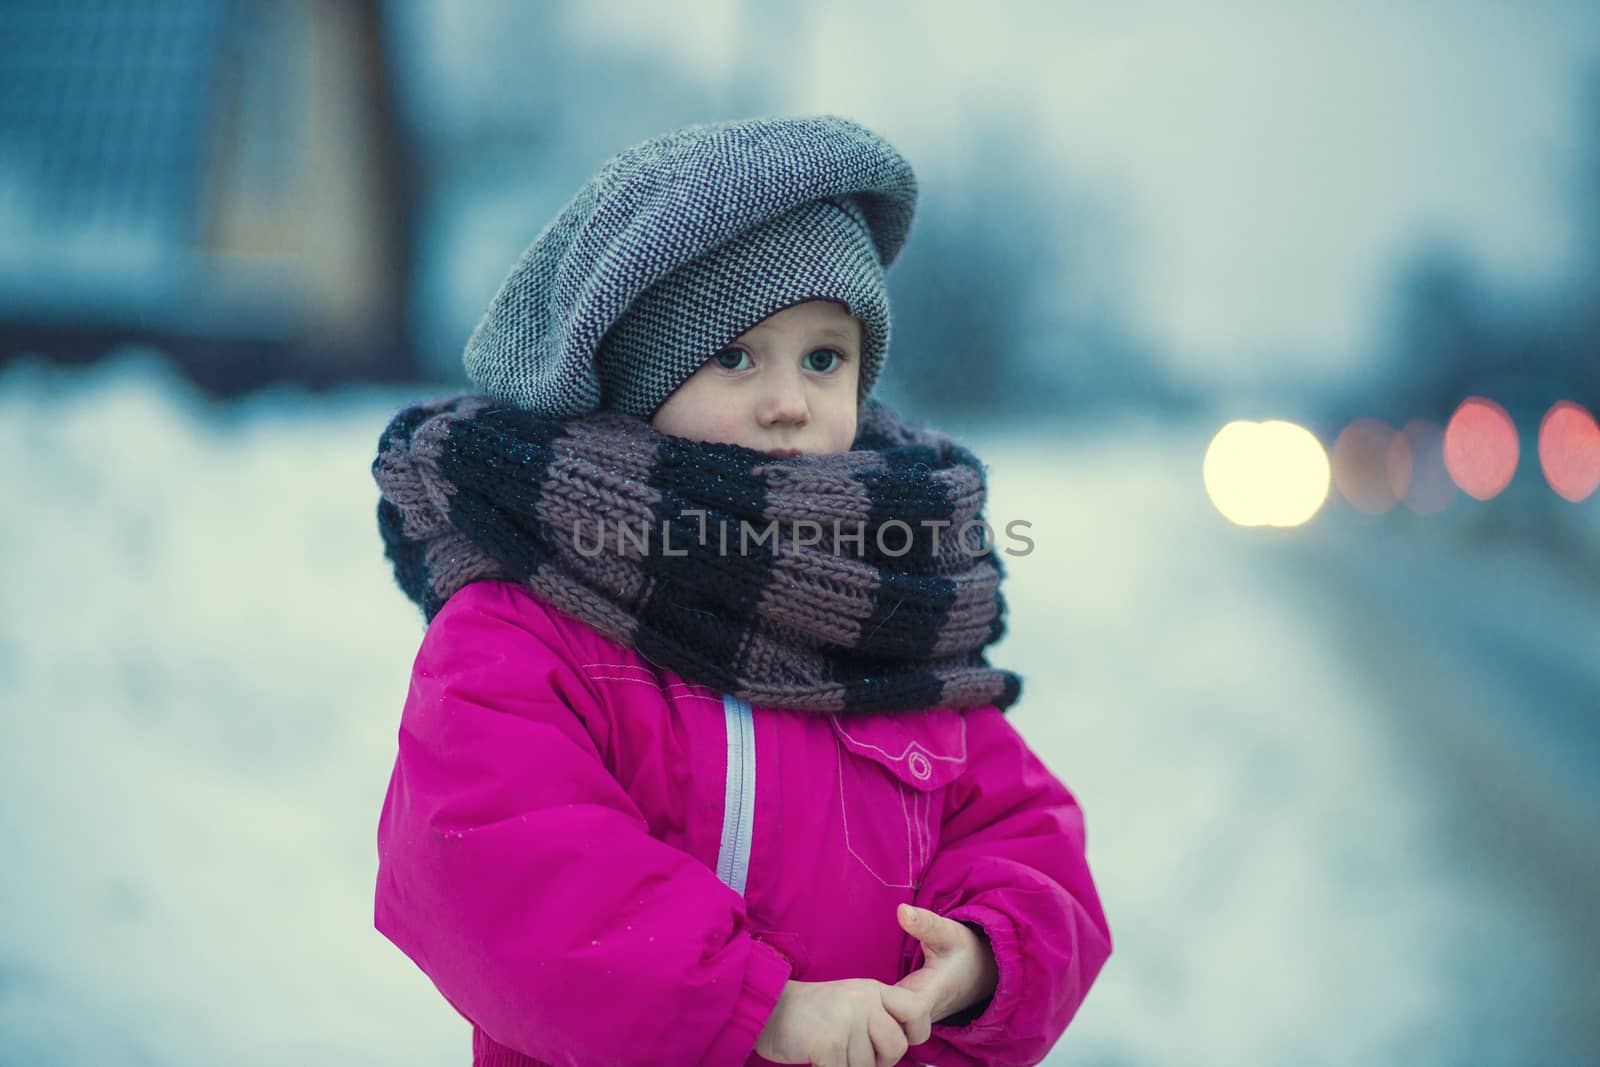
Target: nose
point(783, 401)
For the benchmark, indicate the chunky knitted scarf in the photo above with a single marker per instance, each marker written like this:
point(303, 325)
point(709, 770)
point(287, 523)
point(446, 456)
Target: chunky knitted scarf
point(859, 581)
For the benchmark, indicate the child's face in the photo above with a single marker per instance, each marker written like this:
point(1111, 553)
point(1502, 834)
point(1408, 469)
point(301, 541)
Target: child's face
point(787, 383)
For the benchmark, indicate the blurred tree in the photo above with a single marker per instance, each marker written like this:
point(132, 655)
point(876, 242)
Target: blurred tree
point(1008, 296)
point(1440, 328)
point(1452, 333)
point(1584, 335)
point(514, 105)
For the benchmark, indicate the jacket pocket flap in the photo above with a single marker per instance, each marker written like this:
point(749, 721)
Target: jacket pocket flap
point(925, 750)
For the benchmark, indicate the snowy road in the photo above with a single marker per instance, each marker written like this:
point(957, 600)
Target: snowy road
point(204, 657)
point(1490, 658)
point(1505, 634)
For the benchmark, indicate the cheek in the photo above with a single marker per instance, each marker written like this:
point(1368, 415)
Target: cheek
point(699, 417)
point(720, 423)
point(842, 428)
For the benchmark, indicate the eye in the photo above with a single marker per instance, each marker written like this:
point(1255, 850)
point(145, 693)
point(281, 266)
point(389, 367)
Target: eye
point(837, 358)
point(737, 354)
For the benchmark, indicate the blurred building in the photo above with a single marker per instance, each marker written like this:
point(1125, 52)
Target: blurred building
point(219, 178)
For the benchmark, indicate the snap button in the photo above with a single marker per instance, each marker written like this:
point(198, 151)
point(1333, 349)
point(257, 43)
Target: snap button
point(919, 765)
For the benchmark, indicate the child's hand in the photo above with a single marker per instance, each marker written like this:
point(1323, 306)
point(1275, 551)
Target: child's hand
point(958, 971)
point(836, 1024)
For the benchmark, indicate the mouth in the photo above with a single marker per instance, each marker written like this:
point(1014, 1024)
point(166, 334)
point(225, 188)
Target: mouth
point(784, 453)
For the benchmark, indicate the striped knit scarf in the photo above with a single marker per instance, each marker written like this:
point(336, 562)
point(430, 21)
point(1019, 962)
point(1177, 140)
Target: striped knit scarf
point(842, 583)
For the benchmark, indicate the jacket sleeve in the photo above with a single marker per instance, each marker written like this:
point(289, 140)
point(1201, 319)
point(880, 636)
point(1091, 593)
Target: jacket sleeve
point(1011, 862)
point(517, 873)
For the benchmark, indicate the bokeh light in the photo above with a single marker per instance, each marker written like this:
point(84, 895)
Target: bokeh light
point(1480, 447)
point(1226, 471)
point(1569, 450)
point(1417, 473)
point(1271, 473)
point(1360, 464)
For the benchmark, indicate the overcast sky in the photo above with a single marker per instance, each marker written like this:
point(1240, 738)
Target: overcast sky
point(1272, 161)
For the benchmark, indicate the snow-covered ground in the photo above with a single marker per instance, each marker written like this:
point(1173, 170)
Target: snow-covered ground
point(203, 658)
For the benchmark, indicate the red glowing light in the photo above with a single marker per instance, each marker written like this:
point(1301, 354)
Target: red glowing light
point(1480, 447)
point(1569, 450)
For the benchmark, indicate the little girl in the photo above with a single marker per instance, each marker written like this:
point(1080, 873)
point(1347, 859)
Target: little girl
point(702, 761)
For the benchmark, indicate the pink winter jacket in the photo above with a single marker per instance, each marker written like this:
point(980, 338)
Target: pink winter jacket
point(597, 862)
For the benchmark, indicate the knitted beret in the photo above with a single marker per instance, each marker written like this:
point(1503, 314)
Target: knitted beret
point(681, 243)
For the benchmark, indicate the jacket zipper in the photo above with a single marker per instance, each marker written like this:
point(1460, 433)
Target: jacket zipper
point(739, 794)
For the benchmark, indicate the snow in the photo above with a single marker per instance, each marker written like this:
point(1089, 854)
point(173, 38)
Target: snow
point(205, 658)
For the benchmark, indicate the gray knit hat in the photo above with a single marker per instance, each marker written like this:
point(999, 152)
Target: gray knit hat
point(680, 244)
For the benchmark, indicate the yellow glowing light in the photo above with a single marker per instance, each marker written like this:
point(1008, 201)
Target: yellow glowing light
point(1302, 472)
point(1271, 473)
point(1227, 472)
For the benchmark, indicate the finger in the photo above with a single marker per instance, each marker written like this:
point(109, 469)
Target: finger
point(912, 1010)
point(902, 1003)
point(888, 1040)
point(937, 933)
point(860, 1054)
